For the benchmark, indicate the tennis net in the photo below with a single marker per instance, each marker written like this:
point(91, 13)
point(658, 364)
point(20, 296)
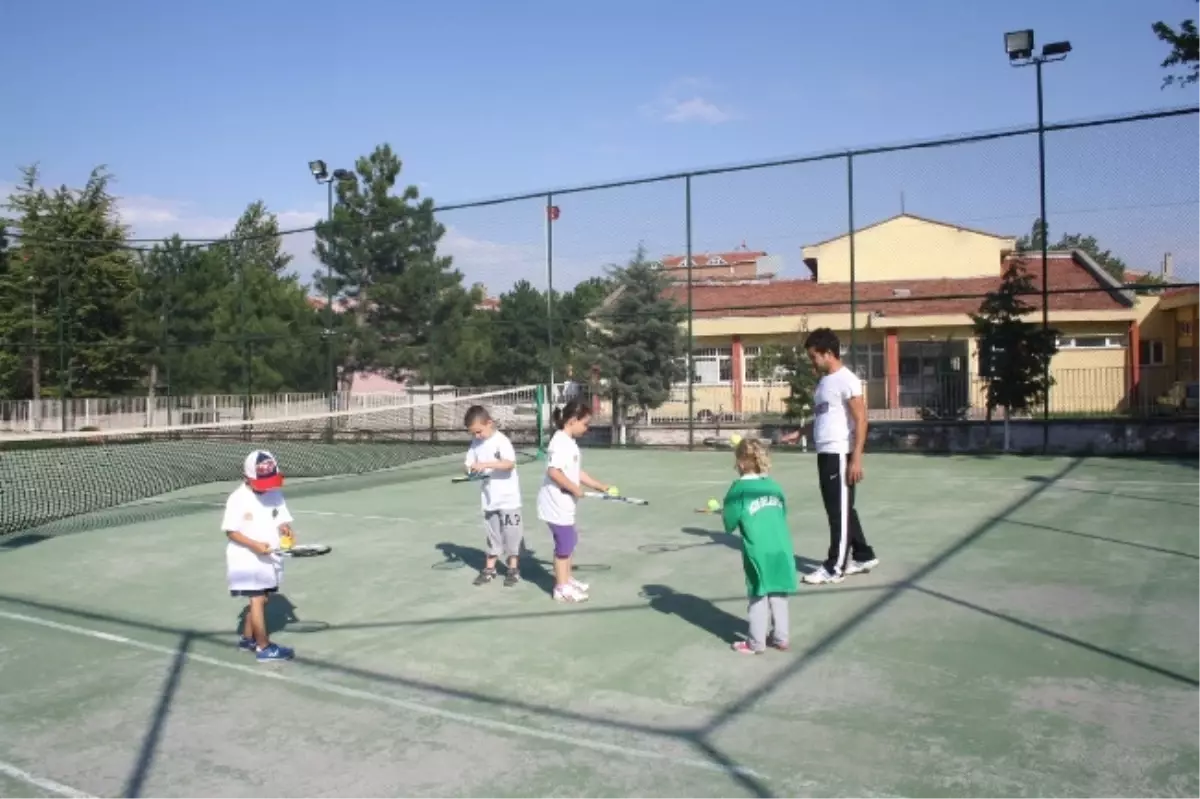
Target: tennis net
point(45, 478)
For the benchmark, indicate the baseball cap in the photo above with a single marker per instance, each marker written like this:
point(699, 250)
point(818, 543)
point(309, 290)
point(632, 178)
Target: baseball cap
point(262, 471)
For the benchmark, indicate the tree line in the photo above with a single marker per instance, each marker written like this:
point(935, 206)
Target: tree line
point(86, 312)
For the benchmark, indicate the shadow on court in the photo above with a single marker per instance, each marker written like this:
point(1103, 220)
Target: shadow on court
point(281, 615)
point(533, 571)
point(1114, 494)
point(697, 611)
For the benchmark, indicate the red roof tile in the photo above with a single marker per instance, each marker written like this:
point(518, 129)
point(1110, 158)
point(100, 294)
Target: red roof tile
point(937, 297)
point(703, 258)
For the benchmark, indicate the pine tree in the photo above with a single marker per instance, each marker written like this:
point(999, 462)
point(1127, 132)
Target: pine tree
point(75, 273)
point(1014, 353)
point(408, 308)
point(637, 341)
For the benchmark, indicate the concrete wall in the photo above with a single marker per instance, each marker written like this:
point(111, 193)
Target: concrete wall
point(1082, 437)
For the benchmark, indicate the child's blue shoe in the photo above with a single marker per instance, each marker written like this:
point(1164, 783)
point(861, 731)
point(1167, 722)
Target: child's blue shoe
point(275, 652)
point(247, 644)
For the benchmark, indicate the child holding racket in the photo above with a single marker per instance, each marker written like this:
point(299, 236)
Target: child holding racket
point(561, 489)
point(257, 524)
point(491, 454)
point(756, 508)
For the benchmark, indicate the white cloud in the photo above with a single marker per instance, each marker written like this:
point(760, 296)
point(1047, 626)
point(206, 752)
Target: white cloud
point(683, 101)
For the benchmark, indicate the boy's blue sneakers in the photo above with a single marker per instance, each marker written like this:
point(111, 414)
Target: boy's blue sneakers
point(247, 644)
point(275, 652)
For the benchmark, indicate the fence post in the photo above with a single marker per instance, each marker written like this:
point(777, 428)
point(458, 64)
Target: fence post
point(432, 424)
point(62, 349)
point(551, 212)
point(691, 341)
point(853, 292)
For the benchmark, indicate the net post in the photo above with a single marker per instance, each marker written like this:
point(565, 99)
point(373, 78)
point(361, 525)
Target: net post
point(540, 420)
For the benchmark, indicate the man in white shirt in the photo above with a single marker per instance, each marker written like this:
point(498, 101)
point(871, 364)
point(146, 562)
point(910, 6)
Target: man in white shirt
point(839, 433)
point(256, 517)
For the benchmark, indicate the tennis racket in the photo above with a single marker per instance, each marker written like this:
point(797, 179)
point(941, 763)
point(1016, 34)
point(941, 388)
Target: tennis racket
point(473, 477)
point(304, 551)
point(611, 498)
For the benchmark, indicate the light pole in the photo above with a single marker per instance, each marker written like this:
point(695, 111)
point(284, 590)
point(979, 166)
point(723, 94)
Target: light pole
point(322, 175)
point(1019, 46)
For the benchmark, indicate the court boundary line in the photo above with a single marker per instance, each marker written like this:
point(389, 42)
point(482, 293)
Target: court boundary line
point(479, 722)
point(45, 783)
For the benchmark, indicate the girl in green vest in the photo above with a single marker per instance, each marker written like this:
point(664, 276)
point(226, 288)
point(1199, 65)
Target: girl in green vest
point(755, 507)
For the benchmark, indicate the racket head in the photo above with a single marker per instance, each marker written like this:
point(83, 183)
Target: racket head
point(306, 550)
point(474, 477)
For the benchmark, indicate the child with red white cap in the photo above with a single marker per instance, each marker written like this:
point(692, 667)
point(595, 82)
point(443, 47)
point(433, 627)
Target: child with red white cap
point(257, 523)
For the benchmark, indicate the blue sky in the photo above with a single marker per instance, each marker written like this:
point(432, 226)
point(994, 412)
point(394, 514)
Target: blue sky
point(200, 108)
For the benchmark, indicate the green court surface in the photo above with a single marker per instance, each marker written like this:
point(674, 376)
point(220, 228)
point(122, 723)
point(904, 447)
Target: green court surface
point(1030, 631)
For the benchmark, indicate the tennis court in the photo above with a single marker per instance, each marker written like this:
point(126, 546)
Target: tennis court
point(1032, 630)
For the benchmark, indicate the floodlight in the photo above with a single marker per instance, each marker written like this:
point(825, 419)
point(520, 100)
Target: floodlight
point(343, 174)
point(318, 170)
point(1056, 48)
point(1018, 44)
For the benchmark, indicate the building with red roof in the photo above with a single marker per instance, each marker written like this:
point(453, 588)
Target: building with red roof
point(906, 326)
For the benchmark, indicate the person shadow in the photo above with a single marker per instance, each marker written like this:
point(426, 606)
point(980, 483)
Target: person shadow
point(697, 611)
point(531, 569)
point(803, 564)
point(279, 613)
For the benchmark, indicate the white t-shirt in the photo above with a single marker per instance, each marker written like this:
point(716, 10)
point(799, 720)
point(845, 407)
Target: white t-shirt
point(833, 426)
point(553, 504)
point(502, 489)
point(256, 516)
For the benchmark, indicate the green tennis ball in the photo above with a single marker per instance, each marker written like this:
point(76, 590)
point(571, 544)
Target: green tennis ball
point(713, 505)
point(613, 491)
point(734, 440)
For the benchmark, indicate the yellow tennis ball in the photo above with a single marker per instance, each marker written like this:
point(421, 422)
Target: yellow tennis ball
point(713, 505)
point(734, 440)
point(613, 491)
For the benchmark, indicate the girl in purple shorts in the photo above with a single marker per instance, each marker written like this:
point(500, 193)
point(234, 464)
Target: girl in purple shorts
point(560, 492)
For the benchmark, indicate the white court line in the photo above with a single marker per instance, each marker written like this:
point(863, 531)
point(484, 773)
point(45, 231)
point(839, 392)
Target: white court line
point(56, 788)
point(379, 699)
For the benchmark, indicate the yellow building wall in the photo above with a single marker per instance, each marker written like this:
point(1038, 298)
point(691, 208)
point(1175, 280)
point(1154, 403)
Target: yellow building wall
point(909, 248)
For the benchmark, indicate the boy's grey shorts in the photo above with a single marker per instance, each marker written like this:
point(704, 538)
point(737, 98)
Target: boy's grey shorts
point(504, 532)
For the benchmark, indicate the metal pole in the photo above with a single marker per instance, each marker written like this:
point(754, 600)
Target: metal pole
point(691, 390)
point(550, 290)
point(62, 351)
point(853, 294)
point(330, 371)
point(1041, 124)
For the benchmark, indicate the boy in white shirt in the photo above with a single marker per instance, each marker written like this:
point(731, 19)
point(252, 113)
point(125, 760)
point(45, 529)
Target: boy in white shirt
point(257, 523)
point(491, 454)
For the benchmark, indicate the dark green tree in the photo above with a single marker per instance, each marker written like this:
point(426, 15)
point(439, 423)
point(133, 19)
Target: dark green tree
point(182, 289)
point(1184, 55)
point(1014, 353)
point(75, 274)
point(275, 331)
point(571, 313)
point(636, 339)
point(408, 307)
point(1032, 244)
point(519, 337)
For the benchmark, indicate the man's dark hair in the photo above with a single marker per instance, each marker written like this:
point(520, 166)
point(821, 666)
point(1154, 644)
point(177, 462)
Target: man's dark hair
point(823, 340)
point(476, 413)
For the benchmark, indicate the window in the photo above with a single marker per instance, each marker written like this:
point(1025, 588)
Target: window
point(867, 361)
point(1185, 328)
point(712, 365)
point(750, 355)
point(1091, 342)
point(1151, 353)
point(716, 260)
